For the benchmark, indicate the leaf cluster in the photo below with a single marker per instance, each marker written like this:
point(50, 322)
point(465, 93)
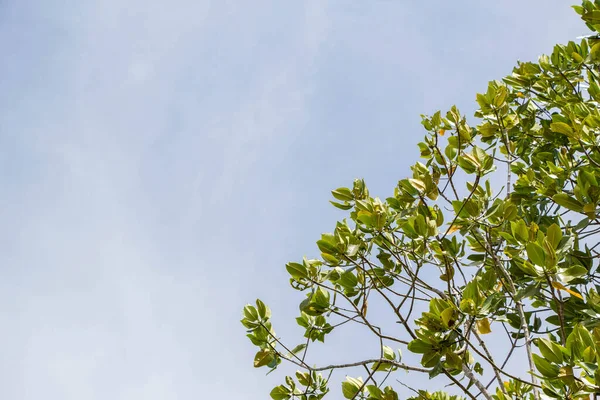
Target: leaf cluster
point(494, 233)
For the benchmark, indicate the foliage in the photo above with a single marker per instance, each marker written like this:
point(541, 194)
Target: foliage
point(507, 212)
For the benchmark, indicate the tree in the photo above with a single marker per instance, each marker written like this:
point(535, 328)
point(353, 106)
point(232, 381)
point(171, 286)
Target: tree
point(507, 212)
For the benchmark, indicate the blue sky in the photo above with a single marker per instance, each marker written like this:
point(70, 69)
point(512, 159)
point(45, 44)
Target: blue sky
point(162, 161)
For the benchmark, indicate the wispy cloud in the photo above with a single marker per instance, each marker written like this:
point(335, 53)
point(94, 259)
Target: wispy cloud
point(137, 141)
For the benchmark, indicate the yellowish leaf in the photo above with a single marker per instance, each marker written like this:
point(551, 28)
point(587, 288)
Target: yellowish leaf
point(448, 317)
point(442, 132)
point(560, 286)
point(588, 208)
point(453, 229)
point(483, 326)
point(577, 57)
point(565, 371)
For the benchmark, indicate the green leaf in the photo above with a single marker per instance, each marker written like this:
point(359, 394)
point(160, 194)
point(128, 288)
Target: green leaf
point(519, 230)
point(263, 357)
point(592, 17)
point(528, 291)
point(298, 348)
point(554, 235)
point(419, 347)
point(388, 353)
point(561, 127)
point(348, 280)
point(366, 217)
point(468, 163)
point(551, 351)
point(421, 225)
point(327, 247)
point(314, 305)
point(330, 259)
point(343, 194)
point(321, 297)
point(281, 393)
point(564, 200)
point(595, 51)
point(250, 313)
point(500, 96)
point(468, 306)
point(374, 392)
point(550, 254)
point(577, 57)
point(351, 387)
point(433, 362)
point(417, 184)
point(296, 270)
point(579, 339)
point(304, 378)
point(264, 312)
point(575, 271)
point(545, 367)
point(509, 238)
point(510, 212)
point(491, 303)
point(352, 250)
point(536, 254)
point(341, 206)
point(589, 355)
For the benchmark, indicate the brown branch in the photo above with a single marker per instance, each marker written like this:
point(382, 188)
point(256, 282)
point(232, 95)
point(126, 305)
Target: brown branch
point(476, 382)
point(371, 361)
point(511, 287)
point(489, 356)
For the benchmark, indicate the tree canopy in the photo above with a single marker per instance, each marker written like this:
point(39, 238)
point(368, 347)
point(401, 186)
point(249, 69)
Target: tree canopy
point(485, 259)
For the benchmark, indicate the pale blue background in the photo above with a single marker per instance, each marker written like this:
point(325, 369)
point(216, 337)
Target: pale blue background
point(161, 161)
